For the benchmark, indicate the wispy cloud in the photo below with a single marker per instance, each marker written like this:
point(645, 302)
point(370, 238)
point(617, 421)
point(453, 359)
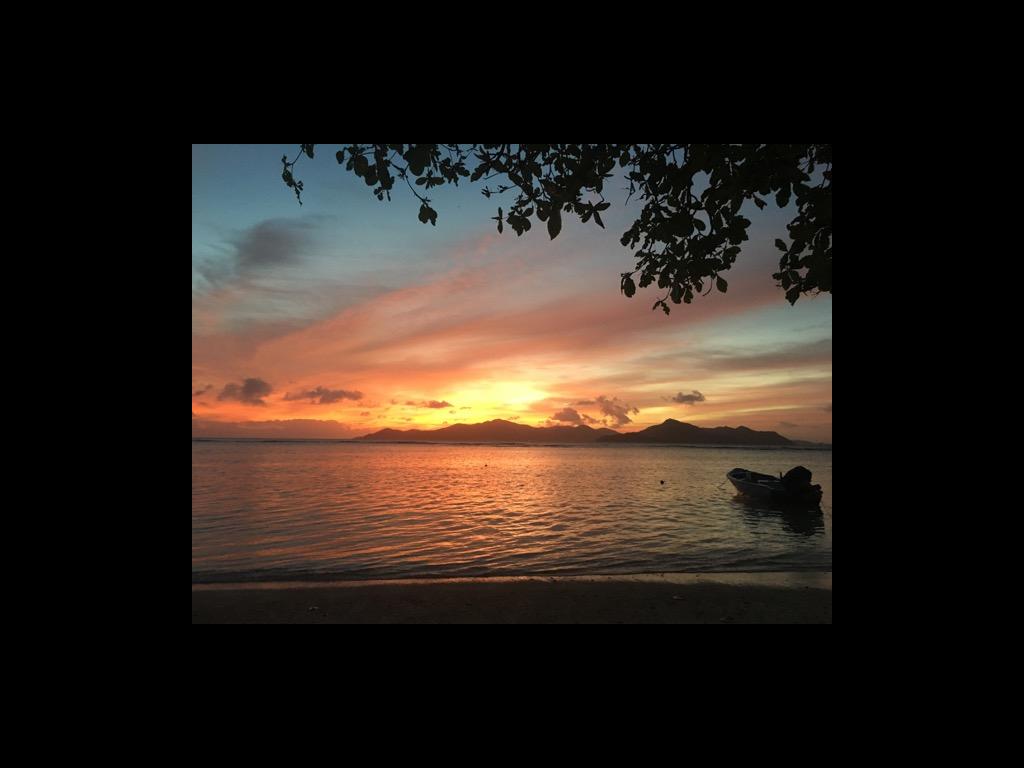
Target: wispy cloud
point(290, 428)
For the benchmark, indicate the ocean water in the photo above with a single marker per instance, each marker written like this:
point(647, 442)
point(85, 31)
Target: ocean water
point(293, 510)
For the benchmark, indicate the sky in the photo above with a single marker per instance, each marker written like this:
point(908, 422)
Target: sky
point(346, 315)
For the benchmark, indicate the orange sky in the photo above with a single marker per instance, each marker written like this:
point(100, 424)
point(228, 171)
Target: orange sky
point(436, 327)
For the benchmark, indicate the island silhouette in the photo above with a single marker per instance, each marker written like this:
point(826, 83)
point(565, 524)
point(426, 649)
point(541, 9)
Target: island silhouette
point(502, 431)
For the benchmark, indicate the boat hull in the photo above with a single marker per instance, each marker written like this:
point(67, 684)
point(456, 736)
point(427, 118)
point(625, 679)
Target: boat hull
point(768, 488)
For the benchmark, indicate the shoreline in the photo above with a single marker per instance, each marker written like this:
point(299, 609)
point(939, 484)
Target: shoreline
point(795, 597)
point(802, 446)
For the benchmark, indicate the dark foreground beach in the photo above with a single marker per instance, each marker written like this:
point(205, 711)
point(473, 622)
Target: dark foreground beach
point(675, 598)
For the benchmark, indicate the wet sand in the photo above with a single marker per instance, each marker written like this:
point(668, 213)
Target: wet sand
point(671, 598)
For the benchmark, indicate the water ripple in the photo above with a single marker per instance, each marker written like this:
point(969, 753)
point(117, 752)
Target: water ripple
point(264, 510)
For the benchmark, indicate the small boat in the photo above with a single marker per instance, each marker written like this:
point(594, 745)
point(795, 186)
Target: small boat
point(792, 488)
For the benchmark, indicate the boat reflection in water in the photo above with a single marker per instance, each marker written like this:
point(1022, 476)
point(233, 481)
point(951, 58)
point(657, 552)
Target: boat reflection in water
point(802, 520)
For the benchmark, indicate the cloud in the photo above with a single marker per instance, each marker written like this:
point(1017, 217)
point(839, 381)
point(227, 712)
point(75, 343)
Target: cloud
point(617, 411)
point(572, 416)
point(324, 396)
point(202, 390)
point(271, 243)
point(365, 413)
point(277, 428)
point(828, 408)
point(690, 399)
point(250, 392)
point(430, 404)
point(807, 354)
point(789, 424)
point(585, 402)
point(568, 414)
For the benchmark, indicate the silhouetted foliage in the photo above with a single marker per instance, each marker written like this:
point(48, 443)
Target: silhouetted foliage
point(690, 228)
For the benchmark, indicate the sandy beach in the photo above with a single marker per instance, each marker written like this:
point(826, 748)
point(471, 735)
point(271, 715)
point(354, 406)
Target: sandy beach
point(671, 598)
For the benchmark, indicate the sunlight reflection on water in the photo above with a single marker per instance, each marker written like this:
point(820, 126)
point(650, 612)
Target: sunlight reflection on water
point(277, 510)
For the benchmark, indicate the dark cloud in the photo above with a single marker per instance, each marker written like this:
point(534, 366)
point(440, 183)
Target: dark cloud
point(615, 410)
point(202, 390)
point(365, 413)
point(324, 396)
point(690, 399)
point(572, 416)
point(250, 392)
point(430, 404)
point(789, 424)
point(270, 243)
point(813, 353)
point(828, 408)
point(585, 402)
point(568, 414)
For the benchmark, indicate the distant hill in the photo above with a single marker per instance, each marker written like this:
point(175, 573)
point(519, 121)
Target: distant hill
point(496, 431)
point(672, 431)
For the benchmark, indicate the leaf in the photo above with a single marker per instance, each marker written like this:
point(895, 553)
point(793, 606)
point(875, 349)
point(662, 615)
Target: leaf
point(628, 286)
point(723, 286)
point(340, 154)
point(417, 158)
point(780, 245)
point(554, 221)
point(428, 214)
point(597, 218)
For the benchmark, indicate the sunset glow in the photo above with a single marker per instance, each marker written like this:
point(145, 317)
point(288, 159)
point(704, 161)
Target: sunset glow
point(347, 315)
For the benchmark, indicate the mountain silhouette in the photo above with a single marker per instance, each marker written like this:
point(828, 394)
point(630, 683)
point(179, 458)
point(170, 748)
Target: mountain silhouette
point(502, 431)
point(496, 431)
point(672, 431)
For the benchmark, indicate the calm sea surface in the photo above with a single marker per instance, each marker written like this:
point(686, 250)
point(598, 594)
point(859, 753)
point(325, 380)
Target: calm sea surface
point(295, 510)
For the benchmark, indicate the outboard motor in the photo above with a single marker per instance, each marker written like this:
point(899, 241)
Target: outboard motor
point(797, 483)
point(797, 479)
